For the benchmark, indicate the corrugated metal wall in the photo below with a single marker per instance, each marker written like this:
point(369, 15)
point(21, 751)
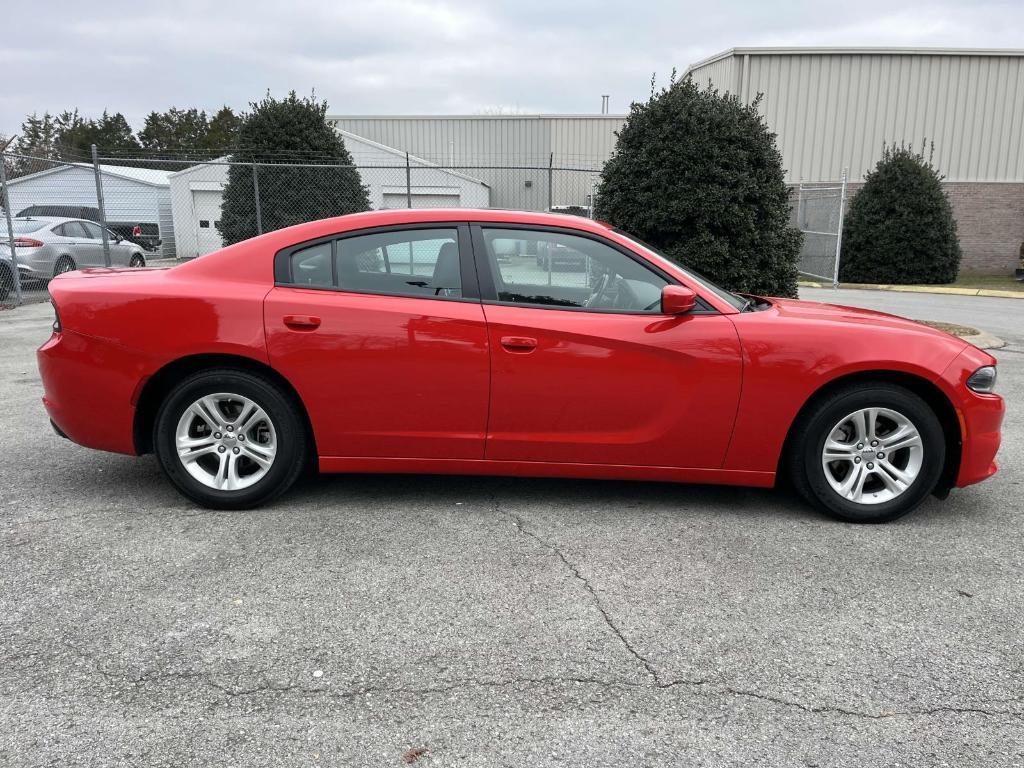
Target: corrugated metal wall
point(469, 142)
point(720, 74)
point(836, 110)
point(458, 140)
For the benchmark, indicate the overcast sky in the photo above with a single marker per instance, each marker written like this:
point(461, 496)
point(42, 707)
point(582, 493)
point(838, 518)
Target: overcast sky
point(414, 56)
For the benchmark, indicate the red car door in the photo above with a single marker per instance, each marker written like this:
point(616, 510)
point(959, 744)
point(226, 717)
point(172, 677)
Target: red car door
point(382, 334)
point(585, 369)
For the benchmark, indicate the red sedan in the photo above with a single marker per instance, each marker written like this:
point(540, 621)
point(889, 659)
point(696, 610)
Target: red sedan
point(505, 343)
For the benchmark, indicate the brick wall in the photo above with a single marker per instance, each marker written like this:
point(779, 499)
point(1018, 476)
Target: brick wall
point(990, 219)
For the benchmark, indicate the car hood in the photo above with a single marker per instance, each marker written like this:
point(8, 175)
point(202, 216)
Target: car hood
point(813, 310)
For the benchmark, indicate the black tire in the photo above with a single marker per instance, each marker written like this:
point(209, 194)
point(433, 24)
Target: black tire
point(64, 264)
point(292, 440)
point(137, 260)
point(807, 443)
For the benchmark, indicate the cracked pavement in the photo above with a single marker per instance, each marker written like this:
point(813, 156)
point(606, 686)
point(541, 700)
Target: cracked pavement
point(499, 622)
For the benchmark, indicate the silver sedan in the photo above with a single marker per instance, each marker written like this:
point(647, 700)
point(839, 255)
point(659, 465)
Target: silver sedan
point(46, 246)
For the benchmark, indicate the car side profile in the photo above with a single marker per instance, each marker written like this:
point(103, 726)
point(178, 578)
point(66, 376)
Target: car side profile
point(47, 246)
point(399, 341)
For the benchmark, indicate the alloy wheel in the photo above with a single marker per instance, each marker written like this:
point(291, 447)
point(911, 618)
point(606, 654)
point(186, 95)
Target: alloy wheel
point(872, 455)
point(226, 441)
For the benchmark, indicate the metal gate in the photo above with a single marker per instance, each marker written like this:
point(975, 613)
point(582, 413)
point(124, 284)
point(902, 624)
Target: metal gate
point(818, 213)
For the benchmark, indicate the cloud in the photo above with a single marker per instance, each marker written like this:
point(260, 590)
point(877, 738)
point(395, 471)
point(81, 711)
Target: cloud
point(414, 56)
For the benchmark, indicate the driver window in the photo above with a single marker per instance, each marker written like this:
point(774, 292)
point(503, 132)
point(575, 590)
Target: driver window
point(552, 269)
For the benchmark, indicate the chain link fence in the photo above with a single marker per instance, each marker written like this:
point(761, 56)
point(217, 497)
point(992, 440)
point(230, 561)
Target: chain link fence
point(131, 210)
point(818, 211)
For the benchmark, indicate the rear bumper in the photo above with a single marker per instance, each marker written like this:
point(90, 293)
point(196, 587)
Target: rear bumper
point(88, 390)
point(32, 262)
point(980, 417)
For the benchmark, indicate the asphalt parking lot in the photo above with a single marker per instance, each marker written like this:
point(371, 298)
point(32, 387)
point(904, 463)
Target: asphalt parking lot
point(378, 620)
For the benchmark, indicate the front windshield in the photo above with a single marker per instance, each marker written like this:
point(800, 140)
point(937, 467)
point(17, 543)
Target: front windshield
point(737, 302)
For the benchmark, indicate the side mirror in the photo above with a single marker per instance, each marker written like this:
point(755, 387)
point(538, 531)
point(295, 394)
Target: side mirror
point(677, 300)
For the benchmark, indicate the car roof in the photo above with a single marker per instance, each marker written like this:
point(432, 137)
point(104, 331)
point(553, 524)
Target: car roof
point(506, 215)
point(393, 216)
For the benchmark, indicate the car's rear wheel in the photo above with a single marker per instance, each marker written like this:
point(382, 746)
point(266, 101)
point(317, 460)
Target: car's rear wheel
point(64, 264)
point(137, 260)
point(867, 453)
point(230, 439)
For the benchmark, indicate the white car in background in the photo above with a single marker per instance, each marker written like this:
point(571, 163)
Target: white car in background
point(47, 246)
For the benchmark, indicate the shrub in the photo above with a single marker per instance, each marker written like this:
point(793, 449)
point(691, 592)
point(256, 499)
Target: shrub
point(697, 174)
point(284, 135)
point(900, 227)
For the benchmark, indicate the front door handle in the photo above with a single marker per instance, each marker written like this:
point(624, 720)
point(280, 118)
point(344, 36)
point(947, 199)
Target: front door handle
point(302, 322)
point(518, 343)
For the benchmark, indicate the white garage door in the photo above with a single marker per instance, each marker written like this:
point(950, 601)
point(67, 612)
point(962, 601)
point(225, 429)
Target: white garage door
point(206, 217)
point(399, 200)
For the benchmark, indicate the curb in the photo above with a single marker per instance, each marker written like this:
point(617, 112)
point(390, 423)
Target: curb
point(990, 292)
point(984, 341)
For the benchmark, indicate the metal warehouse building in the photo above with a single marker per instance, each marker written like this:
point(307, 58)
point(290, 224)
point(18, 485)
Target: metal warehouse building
point(834, 108)
point(484, 145)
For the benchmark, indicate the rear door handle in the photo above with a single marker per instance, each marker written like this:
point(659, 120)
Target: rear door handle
point(518, 343)
point(302, 322)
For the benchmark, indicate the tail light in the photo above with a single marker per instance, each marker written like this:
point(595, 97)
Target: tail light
point(27, 242)
point(56, 318)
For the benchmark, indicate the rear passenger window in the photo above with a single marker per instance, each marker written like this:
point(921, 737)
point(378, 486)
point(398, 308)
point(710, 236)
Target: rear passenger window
point(75, 229)
point(312, 266)
point(404, 263)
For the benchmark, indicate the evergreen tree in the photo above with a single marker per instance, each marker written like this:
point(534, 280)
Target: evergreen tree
point(75, 135)
point(174, 130)
point(279, 134)
point(900, 226)
point(36, 143)
point(697, 174)
point(222, 130)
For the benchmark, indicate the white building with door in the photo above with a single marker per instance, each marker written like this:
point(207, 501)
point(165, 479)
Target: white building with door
point(196, 192)
point(131, 196)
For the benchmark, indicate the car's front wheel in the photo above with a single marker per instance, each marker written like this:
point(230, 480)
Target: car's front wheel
point(230, 439)
point(867, 453)
point(137, 260)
